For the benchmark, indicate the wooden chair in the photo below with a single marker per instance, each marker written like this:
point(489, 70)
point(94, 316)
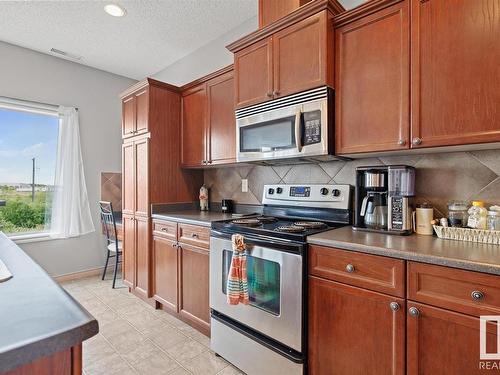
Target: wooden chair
point(113, 245)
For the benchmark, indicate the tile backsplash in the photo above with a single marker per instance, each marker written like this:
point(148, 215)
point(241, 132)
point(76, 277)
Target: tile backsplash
point(440, 177)
point(111, 189)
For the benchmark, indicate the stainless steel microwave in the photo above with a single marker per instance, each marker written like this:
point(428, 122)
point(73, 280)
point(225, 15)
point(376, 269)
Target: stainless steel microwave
point(297, 127)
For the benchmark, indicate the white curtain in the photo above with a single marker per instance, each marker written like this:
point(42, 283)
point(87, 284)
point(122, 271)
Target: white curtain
point(71, 215)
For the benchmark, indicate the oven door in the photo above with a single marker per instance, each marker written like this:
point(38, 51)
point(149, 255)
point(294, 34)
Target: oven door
point(294, 131)
point(275, 289)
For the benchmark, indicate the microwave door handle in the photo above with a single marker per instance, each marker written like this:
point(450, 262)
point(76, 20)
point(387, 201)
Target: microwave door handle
point(298, 129)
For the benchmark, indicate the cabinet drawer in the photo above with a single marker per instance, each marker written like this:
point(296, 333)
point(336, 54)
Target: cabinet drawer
point(464, 291)
point(194, 235)
point(372, 272)
point(166, 229)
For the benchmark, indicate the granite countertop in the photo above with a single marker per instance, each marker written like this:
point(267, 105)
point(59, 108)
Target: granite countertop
point(194, 217)
point(427, 249)
point(37, 316)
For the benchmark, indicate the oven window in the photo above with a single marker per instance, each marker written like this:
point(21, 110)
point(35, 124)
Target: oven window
point(268, 136)
point(263, 281)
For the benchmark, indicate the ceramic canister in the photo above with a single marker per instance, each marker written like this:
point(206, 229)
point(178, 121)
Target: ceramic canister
point(424, 214)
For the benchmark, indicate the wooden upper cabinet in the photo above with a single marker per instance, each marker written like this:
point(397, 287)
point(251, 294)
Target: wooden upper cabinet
point(455, 74)
point(128, 116)
point(354, 331)
point(221, 119)
point(194, 126)
point(372, 82)
point(444, 342)
point(273, 10)
point(253, 73)
point(128, 179)
point(142, 111)
point(303, 56)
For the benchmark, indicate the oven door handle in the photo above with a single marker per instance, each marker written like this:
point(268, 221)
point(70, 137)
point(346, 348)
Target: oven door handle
point(265, 242)
point(298, 128)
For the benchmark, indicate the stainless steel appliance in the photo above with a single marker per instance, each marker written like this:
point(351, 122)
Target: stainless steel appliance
point(299, 126)
point(383, 199)
point(268, 336)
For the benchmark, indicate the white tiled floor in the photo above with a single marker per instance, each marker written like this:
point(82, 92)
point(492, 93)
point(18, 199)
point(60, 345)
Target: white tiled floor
point(135, 338)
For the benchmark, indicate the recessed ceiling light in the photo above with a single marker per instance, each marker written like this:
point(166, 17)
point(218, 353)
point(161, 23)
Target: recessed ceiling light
point(115, 10)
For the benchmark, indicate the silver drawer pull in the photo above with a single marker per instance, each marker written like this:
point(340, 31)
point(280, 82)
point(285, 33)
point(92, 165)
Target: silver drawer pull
point(349, 268)
point(194, 235)
point(394, 306)
point(164, 229)
point(413, 311)
point(477, 295)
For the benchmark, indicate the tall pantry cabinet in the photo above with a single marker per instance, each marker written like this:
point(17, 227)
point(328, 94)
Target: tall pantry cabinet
point(151, 173)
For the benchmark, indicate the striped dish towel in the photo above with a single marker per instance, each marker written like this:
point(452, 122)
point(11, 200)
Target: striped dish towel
point(237, 285)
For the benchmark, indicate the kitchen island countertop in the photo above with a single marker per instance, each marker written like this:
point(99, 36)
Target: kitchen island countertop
point(37, 317)
point(426, 249)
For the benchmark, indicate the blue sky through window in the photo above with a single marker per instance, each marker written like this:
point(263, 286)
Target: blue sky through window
point(24, 135)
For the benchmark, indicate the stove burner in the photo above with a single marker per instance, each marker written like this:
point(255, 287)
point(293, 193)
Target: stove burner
point(266, 219)
point(310, 224)
point(290, 229)
point(247, 222)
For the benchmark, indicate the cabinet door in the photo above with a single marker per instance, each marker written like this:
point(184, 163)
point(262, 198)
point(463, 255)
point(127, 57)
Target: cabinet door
point(273, 10)
point(142, 111)
point(253, 73)
point(143, 258)
point(128, 261)
point(222, 122)
point(301, 56)
point(142, 177)
point(444, 342)
point(194, 283)
point(165, 272)
point(354, 331)
point(194, 105)
point(455, 75)
point(372, 82)
point(128, 116)
point(128, 179)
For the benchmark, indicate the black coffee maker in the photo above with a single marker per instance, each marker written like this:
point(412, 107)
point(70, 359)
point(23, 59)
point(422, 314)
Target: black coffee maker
point(382, 199)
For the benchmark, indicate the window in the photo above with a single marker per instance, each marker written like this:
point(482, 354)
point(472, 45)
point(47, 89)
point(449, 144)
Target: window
point(28, 148)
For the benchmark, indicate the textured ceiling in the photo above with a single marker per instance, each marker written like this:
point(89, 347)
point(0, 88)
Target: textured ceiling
point(152, 35)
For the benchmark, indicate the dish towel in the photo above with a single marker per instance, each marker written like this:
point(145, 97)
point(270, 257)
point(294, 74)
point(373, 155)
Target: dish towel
point(237, 285)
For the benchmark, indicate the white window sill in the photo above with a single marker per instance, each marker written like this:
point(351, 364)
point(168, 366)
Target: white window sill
point(30, 237)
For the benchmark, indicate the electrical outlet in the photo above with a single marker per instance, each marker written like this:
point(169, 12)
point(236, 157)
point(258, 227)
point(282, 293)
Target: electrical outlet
point(244, 185)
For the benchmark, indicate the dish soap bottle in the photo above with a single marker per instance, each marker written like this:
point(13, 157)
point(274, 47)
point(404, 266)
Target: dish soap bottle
point(477, 215)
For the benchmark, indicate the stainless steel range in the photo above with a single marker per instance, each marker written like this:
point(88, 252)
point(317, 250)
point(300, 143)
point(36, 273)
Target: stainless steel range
point(268, 336)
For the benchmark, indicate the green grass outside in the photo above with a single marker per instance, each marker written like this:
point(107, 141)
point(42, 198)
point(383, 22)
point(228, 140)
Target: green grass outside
point(20, 214)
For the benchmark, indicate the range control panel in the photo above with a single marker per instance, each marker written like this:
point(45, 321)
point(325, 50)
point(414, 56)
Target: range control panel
point(308, 195)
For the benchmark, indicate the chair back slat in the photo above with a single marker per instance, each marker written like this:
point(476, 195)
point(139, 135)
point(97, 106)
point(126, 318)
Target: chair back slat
point(108, 220)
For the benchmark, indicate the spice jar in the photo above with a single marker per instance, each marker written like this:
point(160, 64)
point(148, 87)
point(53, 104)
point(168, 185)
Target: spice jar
point(457, 213)
point(493, 220)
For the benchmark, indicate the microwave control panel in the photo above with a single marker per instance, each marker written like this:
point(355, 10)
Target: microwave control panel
point(312, 127)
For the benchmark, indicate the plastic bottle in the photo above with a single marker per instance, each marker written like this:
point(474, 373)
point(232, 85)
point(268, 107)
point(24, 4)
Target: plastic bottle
point(477, 215)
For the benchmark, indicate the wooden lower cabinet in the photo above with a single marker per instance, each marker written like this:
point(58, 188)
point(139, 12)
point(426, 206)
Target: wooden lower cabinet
point(128, 261)
point(165, 259)
point(194, 286)
point(354, 331)
point(142, 254)
point(444, 342)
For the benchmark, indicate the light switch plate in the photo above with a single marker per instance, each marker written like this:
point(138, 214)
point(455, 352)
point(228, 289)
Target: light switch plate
point(244, 185)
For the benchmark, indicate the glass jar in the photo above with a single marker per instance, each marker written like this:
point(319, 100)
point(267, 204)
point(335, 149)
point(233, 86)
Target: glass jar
point(493, 220)
point(457, 213)
point(477, 215)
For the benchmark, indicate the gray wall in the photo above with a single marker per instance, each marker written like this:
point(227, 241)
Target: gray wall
point(440, 177)
point(207, 59)
point(30, 75)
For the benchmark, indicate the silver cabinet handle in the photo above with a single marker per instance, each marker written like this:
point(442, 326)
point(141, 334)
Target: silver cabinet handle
point(349, 268)
point(131, 132)
point(269, 94)
point(164, 229)
point(416, 141)
point(477, 295)
point(401, 142)
point(194, 235)
point(276, 93)
point(413, 311)
point(174, 244)
point(394, 306)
